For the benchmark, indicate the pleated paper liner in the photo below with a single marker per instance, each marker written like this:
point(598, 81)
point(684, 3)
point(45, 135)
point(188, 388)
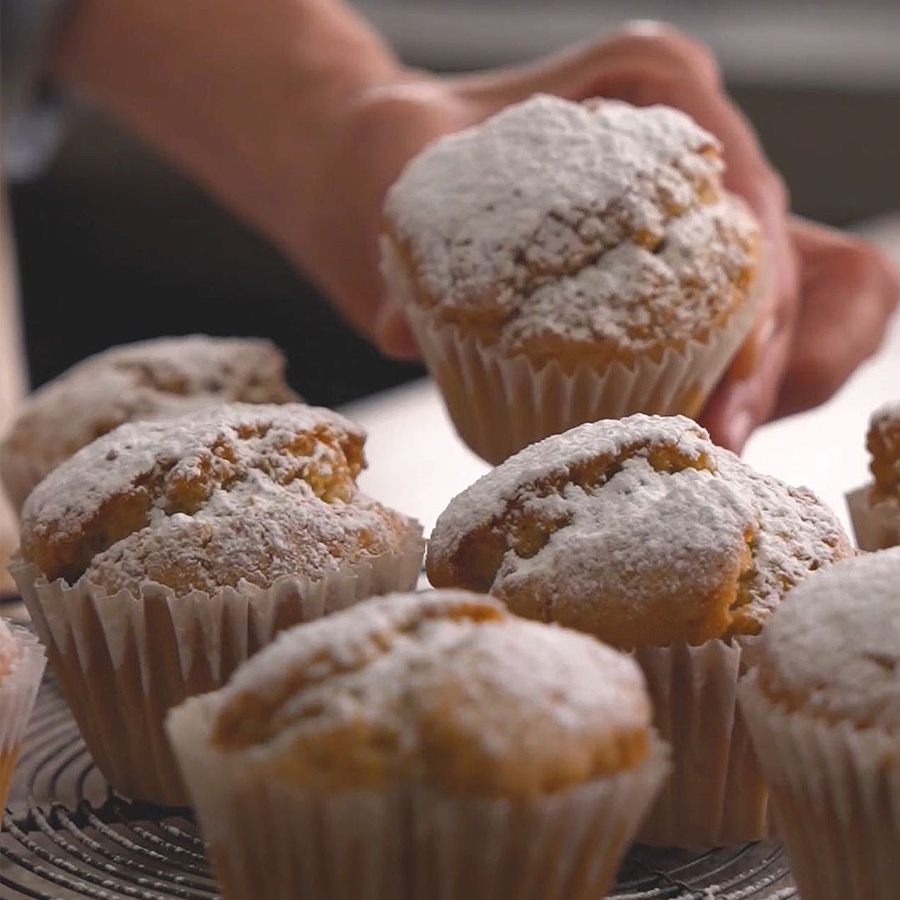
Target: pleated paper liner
point(500, 404)
point(716, 794)
point(269, 838)
point(124, 660)
point(18, 689)
point(836, 799)
point(876, 525)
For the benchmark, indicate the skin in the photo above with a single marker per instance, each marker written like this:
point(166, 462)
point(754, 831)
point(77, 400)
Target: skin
point(297, 116)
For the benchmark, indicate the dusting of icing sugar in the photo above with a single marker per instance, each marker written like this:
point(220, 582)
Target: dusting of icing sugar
point(638, 297)
point(257, 531)
point(888, 412)
point(642, 538)
point(237, 491)
point(545, 189)
point(552, 458)
point(495, 687)
point(797, 534)
point(156, 379)
point(647, 531)
point(208, 441)
point(10, 651)
point(833, 645)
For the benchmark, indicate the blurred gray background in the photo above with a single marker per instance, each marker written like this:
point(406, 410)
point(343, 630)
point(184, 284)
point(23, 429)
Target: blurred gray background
point(114, 246)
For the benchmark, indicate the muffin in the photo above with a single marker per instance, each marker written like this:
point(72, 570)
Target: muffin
point(646, 535)
point(155, 379)
point(419, 746)
point(566, 262)
point(875, 507)
point(823, 706)
point(22, 663)
point(163, 554)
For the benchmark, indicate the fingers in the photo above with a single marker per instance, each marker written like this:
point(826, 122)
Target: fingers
point(635, 61)
point(849, 291)
point(747, 395)
point(393, 336)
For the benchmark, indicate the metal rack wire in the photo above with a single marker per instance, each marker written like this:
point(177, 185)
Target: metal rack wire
point(66, 836)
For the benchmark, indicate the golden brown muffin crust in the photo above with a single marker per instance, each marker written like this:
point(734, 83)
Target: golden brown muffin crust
point(573, 232)
point(148, 380)
point(445, 688)
point(832, 649)
point(233, 492)
point(640, 531)
point(883, 443)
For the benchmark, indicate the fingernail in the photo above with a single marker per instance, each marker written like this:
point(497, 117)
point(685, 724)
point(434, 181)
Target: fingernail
point(738, 429)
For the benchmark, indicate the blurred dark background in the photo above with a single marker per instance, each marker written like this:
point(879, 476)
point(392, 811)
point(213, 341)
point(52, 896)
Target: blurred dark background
point(114, 246)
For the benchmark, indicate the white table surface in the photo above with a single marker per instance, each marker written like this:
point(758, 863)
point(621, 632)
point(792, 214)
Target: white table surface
point(417, 462)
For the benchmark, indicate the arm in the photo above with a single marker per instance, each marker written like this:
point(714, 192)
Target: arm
point(297, 116)
point(246, 97)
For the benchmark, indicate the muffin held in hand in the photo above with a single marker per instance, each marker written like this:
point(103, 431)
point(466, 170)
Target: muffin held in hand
point(823, 706)
point(154, 379)
point(160, 556)
point(22, 663)
point(875, 507)
point(567, 262)
point(421, 746)
point(643, 533)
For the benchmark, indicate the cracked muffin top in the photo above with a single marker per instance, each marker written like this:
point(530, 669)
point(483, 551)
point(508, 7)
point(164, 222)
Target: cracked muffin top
point(573, 231)
point(446, 689)
point(638, 530)
point(232, 492)
point(147, 380)
point(832, 650)
point(883, 443)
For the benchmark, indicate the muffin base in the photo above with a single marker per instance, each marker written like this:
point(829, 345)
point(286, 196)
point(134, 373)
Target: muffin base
point(500, 404)
point(271, 839)
point(876, 526)
point(123, 661)
point(716, 794)
point(18, 690)
point(836, 799)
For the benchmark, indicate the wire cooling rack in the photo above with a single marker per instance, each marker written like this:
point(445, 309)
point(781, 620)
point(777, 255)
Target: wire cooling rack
point(66, 836)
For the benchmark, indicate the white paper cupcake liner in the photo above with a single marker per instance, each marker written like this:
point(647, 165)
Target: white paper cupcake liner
point(836, 799)
point(270, 839)
point(500, 404)
point(877, 526)
point(123, 661)
point(716, 794)
point(18, 689)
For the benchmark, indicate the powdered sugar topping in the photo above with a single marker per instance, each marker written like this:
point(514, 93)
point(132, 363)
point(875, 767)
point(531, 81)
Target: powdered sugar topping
point(888, 412)
point(437, 676)
point(553, 458)
point(834, 644)
point(637, 520)
point(238, 491)
point(148, 380)
point(207, 443)
point(495, 216)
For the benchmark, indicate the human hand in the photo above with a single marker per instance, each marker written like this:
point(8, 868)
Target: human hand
point(846, 294)
point(803, 345)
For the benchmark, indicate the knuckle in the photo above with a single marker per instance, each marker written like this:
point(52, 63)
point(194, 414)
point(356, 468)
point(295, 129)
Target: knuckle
point(815, 380)
point(861, 263)
point(669, 46)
